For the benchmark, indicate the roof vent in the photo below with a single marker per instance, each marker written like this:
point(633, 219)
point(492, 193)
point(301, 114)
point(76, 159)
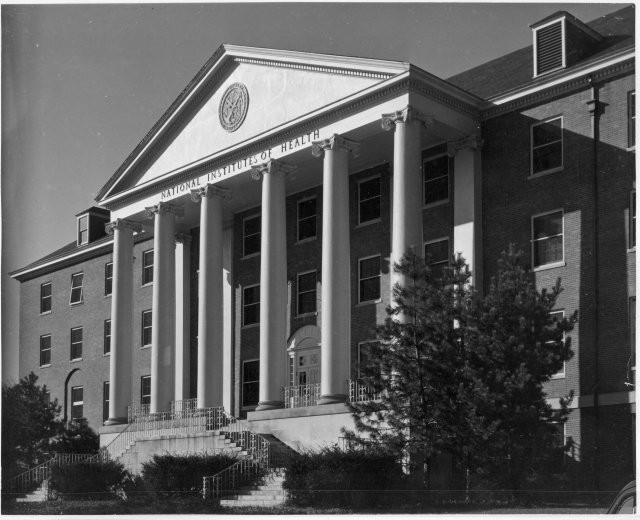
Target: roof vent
point(549, 48)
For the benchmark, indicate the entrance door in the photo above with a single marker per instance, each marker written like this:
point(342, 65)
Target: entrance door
point(307, 367)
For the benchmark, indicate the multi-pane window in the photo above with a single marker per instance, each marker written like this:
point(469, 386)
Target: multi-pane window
point(307, 216)
point(369, 279)
point(147, 267)
point(307, 293)
point(632, 220)
point(436, 253)
point(369, 200)
point(251, 235)
point(145, 390)
point(147, 318)
point(105, 401)
point(76, 343)
point(558, 316)
point(631, 118)
point(250, 382)
point(546, 145)
point(632, 329)
point(436, 178)
point(548, 239)
point(77, 402)
point(45, 350)
point(45, 297)
point(108, 278)
point(76, 288)
point(83, 230)
point(251, 305)
point(107, 336)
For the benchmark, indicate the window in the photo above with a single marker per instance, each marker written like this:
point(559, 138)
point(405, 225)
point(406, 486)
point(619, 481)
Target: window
point(45, 350)
point(632, 220)
point(147, 320)
point(546, 146)
point(548, 246)
point(369, 200)
point(77, 402)
point(45, 297)
point(83, 230)
point(145, 390)
point(436, 252)
point(47, 396)
point(251, 305)
point(107, 336)
point(632, 329)
point(307, 292)
point(108, 278)
point(251, 235)
point(76, 343)
point(250, 382)
point(147, 267)
point(558, 433)
point(549, 48)
point(369, 279)
point(76, 288)
point(436, 179)
point(631, 119)
point(105, 401)
point(307, 219)
point(557, 316)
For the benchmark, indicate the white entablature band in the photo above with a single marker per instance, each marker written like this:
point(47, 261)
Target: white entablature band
point(162, 208)
point(407, 115)
point(210, 191)
point(335, 142)
point(273, 167)
point(120, 224)
point(471, 141)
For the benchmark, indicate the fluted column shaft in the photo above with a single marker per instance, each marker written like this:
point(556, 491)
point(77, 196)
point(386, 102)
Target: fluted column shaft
point(121, 320)
point(335, 329)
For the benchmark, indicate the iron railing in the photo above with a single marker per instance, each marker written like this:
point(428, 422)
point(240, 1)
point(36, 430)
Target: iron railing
point(301, 395)
point(136, 410)
point(184, 407)
point(360, 392)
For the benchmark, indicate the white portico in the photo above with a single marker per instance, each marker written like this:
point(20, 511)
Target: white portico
point(254, 127)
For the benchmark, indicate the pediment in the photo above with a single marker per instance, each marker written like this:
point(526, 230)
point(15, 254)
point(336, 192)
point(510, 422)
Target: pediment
point(272, 88)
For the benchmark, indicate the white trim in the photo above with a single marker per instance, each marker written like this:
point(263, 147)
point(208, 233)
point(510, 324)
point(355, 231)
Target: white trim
point(110, 278)
point(42, 313)
point(533, 174)
point(379, 217)
point(142, 328)
point(298, 202)
point(71, 343)
point(81, 300)
point(244, 219)
point(361, 259)
point(49, 349)
point(244, 288)
point(78, 219)
point(532, 240)
point(298, 275)
point(144, 267)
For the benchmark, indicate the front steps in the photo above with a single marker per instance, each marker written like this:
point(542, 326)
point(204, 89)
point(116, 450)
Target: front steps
point(37, 495)
point(269, 494)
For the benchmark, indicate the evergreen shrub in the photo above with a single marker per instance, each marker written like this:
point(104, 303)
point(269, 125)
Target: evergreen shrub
point(87, 480)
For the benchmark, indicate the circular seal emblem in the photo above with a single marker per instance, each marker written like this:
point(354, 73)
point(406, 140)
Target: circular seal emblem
point(233, 107)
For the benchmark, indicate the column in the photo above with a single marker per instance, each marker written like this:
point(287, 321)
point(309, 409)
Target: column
point(273, 283)
point(335, 328)
point(183, 308)
point(406, 220)
point(163, 307)
point(210, 298)
point(121, 319)
point(467, 202)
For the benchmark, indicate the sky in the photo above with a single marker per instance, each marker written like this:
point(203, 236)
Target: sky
point(82, 85)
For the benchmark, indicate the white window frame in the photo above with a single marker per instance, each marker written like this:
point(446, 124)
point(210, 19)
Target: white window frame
point(562, 373)
point(106, 385)
point(244, 219)
point(81, 299)
point(435, 240)
point(379, 196)
point(257, 323)
point(631, 120)
point(43, 365)
point(142, 395)
point(555, 169)
point(312, 313)
point(143, 328)
point(146, 267)
point(72, 343)
point(315, 216)
point(426, 159)
point(77, 403)
point(563, 22)
point(105, 336)
point(631, 236)
point(242, 383)
point(108, 278)
point(379, 299)
point(79, 240)
point(43, 298)
point(559, 263)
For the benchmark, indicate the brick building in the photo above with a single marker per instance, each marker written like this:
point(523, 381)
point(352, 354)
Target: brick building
point(240, 255)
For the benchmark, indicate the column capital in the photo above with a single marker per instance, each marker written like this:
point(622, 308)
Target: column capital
point(162, 208)
point(273, 167)
point(210, 191)
point(120, 224)
point(471, 141)
point(183, 238)
point(407, 115)
point(335, 142)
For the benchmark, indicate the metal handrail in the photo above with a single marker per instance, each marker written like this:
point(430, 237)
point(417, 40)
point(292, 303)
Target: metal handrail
point(298, 396)
point(360, 391)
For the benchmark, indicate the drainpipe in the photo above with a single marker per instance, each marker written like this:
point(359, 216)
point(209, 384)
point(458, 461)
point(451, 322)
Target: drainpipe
point(595, 109)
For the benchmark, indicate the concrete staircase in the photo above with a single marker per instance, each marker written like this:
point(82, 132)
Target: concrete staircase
point(37, 495)
point(268, 494)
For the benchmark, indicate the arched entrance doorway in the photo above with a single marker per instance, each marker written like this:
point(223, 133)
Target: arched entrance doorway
point(304, 367)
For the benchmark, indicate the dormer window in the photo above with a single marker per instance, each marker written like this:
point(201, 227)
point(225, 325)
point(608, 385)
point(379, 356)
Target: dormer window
point(549, 47)
point(90, 225)
point(83, 230)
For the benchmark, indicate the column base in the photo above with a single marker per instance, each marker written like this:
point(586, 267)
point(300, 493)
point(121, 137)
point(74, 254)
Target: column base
point(115, 420)
point(269, 405)
point(332, 398)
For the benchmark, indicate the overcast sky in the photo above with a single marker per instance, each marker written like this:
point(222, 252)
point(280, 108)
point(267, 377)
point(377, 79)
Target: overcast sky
point(82, 84)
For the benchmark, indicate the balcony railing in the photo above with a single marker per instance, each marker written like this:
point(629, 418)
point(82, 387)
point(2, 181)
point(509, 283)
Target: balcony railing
point(184, 408)
point(360, 392)
point(301, 395)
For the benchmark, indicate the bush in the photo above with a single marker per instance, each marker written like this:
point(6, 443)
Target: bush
point(88, 480)
point(76, 437)
point(334, 477)
point(170, 475)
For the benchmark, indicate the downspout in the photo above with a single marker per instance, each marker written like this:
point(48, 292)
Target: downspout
point(595, 109)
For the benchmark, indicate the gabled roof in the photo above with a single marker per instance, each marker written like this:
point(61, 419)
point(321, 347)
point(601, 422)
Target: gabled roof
point(515, 70)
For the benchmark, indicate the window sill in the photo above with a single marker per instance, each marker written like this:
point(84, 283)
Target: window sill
point(631, 250)
point(74, 304)
point(143, 347)
point(545, 172)
point(45, 313)
point(306, 315)
point(107, 295)
point(45, 366)
point(252, 255)
point(148, 284)
point(250, 326)
point(558, 376)
point(631, 148)
point(369, 223)
point(306, 240)
point(369, 302)
point(107, 354)
point(435, 204)
point(76, 360)
point(549, 266)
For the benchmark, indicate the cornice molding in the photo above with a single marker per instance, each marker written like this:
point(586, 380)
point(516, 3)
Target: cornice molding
point(335, 142)
point(314, 68)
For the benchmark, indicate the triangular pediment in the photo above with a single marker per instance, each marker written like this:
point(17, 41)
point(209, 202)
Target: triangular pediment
point(239, 95)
